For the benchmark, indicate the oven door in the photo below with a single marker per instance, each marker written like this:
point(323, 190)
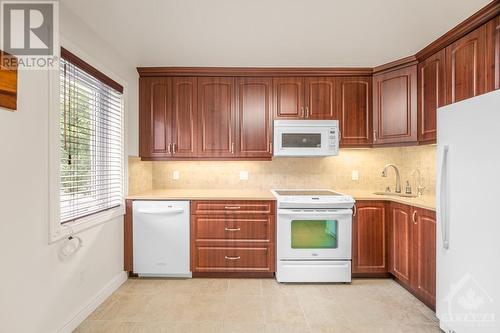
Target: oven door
point(314, 234)
point(305, 141)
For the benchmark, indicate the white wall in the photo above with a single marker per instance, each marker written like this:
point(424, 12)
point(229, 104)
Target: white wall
point(39, 292)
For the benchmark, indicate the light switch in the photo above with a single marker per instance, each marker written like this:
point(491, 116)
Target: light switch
point(176, 175)
point(355, 175)
point(243, 175)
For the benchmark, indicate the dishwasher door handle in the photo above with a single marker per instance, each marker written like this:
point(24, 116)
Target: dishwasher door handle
point(169, 211)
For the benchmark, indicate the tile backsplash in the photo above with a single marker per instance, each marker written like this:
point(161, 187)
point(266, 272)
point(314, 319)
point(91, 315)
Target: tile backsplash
point(330, 172)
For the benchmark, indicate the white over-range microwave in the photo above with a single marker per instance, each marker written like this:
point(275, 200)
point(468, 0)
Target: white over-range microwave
point(306, 137)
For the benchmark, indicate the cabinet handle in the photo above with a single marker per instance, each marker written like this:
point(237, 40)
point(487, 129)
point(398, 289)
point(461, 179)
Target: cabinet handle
point(307, 112)
point(232, 147)
point(413, 217)
point(174, 147)
point(302, 110)
point(270, 147)
point(169, 149)
point(232, 258)
point(374, 136)
point(232, 207)
point(355, 209)
point(232, 229)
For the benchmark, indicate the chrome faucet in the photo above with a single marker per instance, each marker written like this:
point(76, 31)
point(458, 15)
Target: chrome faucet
point(398, 178)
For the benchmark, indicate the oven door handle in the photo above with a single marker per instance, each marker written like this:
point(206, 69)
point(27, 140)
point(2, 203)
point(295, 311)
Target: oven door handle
point(288, 212)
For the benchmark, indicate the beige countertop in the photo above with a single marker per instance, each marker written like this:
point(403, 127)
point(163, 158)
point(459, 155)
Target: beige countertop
point(426, 201)
point(195, 194)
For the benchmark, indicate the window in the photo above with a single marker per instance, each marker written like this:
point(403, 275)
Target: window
point(91, 140)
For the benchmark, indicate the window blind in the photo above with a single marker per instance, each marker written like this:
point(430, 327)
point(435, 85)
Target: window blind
point(91, 132)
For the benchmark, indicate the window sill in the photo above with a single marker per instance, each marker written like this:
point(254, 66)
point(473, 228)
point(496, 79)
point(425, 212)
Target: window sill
point(61, 231)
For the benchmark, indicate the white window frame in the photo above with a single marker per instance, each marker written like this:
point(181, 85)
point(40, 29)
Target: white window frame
point(57, 230)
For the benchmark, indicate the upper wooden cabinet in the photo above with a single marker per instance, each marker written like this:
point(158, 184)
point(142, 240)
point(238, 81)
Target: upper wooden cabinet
point(369, 245)
point(320, 98)
point(305, 98)
point(155, 117)
point(395, 106)
point(185, 117)
point(355, 110)
point(216, 117)
point(466, 66)
point(254, 117)
point(431, 95)
point(493, 54)
point(288, 97)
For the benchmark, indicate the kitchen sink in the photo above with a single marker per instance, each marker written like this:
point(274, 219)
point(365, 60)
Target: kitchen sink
point(396, 194)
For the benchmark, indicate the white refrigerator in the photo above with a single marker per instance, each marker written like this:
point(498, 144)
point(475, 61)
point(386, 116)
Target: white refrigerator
point(468, 196)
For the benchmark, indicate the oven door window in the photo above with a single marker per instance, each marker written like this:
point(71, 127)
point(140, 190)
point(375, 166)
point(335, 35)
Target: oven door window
point(314, 234)
point(301, 140)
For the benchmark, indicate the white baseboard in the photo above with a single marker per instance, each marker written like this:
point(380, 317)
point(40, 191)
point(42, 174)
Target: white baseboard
point(94, 303)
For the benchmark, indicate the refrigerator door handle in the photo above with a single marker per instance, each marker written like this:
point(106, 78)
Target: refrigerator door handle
point(443, 197)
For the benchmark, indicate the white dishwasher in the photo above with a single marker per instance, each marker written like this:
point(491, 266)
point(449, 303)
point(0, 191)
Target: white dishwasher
point(161, 238)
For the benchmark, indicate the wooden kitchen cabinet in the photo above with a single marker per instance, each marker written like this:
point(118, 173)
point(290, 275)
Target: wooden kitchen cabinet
point(216, 117)
point(424, 255)
point(155, 117)
point(233, 238)
point(465, 66)
point(254, 117)
point(493, 54)
point(355, 111)
point(305, 98)
point(400, 248)
point(288, 97)
point(167, 117)
point(320, 98)
point(369, 238)
point(395, 106)
point(431, 95)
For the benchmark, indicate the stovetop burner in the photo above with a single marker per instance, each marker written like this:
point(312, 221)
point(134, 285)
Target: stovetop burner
point(311, 199)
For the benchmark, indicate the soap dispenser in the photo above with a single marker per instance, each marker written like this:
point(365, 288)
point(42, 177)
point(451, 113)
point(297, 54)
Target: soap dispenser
point(408, 187)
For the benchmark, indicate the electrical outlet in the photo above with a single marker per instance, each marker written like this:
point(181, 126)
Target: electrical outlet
point(176, 175)
point(243, 175)
point(355, 175)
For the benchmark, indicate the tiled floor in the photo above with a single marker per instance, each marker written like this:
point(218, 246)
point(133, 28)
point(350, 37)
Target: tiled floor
point(260, 305)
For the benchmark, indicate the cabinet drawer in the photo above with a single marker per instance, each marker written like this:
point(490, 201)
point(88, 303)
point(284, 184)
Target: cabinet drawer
point(232, 207)
point(228, 228)
point(219, 259)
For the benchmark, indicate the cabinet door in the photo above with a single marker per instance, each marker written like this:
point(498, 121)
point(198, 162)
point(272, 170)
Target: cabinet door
point(216, 117)
point(184, 137)
point(431, 95)
point(354, 105)
point(254, 117)
point(401, 242)
point(493, 54)
point(369, 254)
point(465, 66)
point(155, 117)
point(424, 267)
point(288, 97)
point(320, 98)
point(395, 106)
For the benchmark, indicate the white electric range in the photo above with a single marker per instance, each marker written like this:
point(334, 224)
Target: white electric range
point(314, 229)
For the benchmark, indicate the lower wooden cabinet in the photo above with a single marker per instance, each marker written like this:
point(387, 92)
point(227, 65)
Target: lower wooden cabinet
point(233, 237)
point(398, 239)
point(424, 255)
point(369, 234)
